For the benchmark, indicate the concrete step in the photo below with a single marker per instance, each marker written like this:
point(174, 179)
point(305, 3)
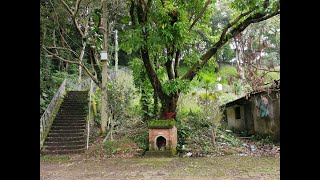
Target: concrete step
point(73, 110)
point(67, 127)
point(67, 147)
point(67, 113)
point(70, 122)
point(64, 139)
point(74, 126)
point(77, 93)
point(65, 120)
point(68, 131)
point(71, 116)
point(64, 143)
point(66, 134)
point(68, 151)
point(73, 107)
point(74, 103)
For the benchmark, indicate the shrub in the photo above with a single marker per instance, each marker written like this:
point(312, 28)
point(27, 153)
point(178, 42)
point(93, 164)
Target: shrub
point(141, 139)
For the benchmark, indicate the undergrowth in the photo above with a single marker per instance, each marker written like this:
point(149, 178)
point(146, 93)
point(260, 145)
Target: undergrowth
point(60, 158)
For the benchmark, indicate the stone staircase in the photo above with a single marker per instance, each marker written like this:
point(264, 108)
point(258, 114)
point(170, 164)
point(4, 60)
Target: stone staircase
point(67, 134)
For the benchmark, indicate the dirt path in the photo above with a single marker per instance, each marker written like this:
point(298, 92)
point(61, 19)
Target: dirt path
point(224, 167)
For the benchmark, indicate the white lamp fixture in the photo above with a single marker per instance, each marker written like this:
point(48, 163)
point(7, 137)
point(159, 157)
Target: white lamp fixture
point(219, 87)
point(104, 55)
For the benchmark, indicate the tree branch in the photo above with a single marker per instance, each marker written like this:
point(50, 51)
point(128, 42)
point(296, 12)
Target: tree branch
point(78, 27)
point(60, 28)
point(91, 75)
point(200, 14)
point(146, 7)
point(223, 39)
point(64, 48)
point(152, 75)
point(60, 58)
point(262, 69)
point(176, 63)
point(77, 7)
point(68, 8)
point(233, 23)
point(169, 68)
point(74, 62)
point(252, 19)
point(73, 15)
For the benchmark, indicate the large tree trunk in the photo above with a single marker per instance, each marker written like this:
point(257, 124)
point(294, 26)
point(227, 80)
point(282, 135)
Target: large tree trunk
point(169, 104)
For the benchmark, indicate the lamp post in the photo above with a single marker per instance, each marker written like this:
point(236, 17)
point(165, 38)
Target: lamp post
point(104, 58)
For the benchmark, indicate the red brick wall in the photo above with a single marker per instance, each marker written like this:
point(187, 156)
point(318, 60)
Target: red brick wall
point(169, 134)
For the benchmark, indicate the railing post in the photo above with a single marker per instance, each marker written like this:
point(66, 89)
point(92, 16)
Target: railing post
point(91, 87)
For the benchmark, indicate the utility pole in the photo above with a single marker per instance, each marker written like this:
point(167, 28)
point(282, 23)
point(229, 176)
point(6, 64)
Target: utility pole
point(104, 58)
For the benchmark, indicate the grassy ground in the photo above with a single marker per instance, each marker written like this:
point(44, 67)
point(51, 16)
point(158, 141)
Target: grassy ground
point(223, 167)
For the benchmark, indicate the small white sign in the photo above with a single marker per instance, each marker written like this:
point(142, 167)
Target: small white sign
point(104, 55)
point(219, 87)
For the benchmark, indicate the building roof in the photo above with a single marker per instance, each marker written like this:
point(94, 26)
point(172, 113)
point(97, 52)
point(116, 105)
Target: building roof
point(246, 98)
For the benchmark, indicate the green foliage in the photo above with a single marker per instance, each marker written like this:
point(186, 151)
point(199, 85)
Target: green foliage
point(120, 95)
point(142, 82)
point(175, 85)
point(97, 100)
point(136, 65)
point(48, 158)
point(141, 139)
point(161, 124)
point(197, 128)
point(93, 104)
point(227, 53)
point(146, 98)
point(272, 76)
point(122, 145)
point(210, 96)
point(228, 72)
point(227, 97)
point(263, 139)
point(49, 84)
point(168, 28)
point(229, 138)
point(131, 40)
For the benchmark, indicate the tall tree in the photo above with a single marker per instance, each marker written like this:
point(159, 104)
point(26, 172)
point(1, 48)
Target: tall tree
point(180, 31)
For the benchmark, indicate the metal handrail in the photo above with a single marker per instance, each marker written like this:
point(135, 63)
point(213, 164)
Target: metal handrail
point(91, 89)
point(46, 119)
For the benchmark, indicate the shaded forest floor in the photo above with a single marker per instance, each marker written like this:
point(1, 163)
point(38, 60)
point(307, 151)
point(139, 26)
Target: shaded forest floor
point(222, 167)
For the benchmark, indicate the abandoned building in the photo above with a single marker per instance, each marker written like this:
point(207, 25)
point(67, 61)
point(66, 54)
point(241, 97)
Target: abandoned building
point(256, 113)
